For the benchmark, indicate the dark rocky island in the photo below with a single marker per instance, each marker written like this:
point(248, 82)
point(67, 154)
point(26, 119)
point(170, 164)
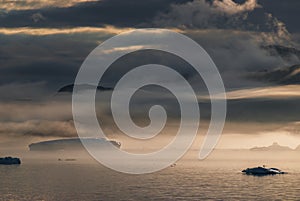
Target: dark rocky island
point(10, 161)
point(262, 171)
point(69, 88)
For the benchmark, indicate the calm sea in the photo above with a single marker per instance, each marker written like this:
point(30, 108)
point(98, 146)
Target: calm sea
point(191, 179)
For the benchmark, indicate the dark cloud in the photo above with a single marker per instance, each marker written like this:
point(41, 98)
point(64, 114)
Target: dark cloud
point(113, 12)
point(238, 54)
point(51, 59)
point(286, 11)
point(54, 59)
point(247, 16)
point(263, 110)
point(217, 14)
point(135, 13)
point(283, 76)
point(35, 64)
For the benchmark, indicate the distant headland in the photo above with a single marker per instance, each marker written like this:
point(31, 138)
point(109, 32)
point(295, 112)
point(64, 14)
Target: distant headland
point(274, 147)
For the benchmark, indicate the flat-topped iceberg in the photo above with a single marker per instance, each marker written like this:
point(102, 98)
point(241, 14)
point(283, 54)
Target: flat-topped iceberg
point(72, 144)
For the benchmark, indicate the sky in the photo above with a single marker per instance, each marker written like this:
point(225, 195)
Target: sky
point(254, 43)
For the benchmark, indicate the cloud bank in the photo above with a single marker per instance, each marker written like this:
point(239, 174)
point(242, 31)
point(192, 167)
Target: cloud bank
point(231, 8)
point(8, 5)
point(226, 14)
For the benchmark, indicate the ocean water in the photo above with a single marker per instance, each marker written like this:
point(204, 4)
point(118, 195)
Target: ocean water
point(190, 179)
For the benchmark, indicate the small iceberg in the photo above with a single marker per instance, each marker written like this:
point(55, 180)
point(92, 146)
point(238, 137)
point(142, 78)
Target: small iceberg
point(10, 161)
point(261, 171)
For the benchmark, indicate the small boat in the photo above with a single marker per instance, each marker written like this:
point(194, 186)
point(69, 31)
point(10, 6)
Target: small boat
point(261, 171)
point(10, 161)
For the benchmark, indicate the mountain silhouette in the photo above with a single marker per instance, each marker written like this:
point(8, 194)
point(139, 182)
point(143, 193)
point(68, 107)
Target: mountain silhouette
point(274, 147)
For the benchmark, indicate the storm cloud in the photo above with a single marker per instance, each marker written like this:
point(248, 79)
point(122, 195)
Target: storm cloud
point(43, 44)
